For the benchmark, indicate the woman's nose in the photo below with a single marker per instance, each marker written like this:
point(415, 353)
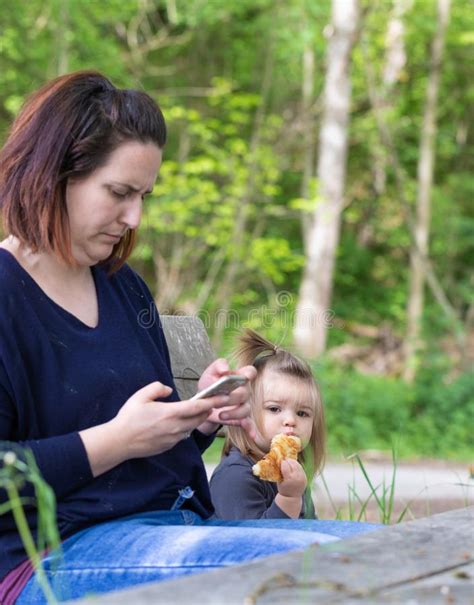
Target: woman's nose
point(132, 213)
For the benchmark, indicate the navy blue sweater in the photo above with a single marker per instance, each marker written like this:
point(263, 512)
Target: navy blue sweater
point(59, 376)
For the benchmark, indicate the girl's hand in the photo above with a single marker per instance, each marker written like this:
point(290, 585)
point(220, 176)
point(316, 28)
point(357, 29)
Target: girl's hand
point(294, 479)
point(236, 411)
point(291, 489)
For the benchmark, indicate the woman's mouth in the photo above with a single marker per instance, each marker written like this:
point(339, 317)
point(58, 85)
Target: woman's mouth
point(113, 237)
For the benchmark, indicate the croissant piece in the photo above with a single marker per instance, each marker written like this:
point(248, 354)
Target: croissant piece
point(282, 447)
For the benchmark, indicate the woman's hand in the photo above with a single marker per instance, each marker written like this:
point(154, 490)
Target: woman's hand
point(145, 427)
point(237, 411)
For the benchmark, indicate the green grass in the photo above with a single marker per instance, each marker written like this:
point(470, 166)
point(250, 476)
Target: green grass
point(383, 494)
point(213, 453)
point(19, 468)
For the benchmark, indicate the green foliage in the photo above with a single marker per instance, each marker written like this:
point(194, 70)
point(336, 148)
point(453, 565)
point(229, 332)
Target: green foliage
point(200, 197)
point(363, 412)
point(443, 416)
point(204, 62)
point(433, 418)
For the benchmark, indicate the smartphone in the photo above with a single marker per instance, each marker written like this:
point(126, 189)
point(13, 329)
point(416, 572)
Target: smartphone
point(223, 386)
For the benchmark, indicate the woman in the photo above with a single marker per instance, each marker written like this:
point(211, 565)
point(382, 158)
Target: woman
point(83, 383)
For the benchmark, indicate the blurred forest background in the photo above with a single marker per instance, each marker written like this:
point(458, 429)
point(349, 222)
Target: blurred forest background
point(317, 185)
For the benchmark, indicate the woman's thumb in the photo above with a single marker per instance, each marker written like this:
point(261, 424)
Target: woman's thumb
point(153, 391)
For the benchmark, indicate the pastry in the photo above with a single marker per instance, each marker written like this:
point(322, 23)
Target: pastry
point(282, 447)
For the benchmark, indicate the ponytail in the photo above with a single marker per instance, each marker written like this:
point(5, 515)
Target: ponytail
point(253, 346)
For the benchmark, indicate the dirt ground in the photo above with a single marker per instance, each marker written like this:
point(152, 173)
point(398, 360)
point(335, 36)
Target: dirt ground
point(421, 488)
point(411, 510)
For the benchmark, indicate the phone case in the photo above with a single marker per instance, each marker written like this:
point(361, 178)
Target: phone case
point(223, 386)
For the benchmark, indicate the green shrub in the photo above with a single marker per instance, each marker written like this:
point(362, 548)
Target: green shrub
point(362, 412)
point(443, 416)
point(428, 418)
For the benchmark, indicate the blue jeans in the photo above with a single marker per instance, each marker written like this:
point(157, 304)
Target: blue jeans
point(149, 547)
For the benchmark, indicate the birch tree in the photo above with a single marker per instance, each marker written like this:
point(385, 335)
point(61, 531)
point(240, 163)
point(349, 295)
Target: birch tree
point(311, 324)
point(383, 100)
point(425, 171)
point(307, 90)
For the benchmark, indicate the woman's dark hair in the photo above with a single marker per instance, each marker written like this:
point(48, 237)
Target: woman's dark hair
point(68, 128)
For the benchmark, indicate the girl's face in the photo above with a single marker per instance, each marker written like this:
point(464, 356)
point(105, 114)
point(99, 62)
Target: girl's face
point(103, 206)
point(284, 409)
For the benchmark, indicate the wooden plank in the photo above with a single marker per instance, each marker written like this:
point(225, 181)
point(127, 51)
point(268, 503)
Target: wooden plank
point(186, 388)
point(349, 571)
point(453, 586)
point(190, 350)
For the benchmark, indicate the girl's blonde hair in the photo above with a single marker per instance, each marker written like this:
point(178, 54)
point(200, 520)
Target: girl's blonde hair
point(254, 349)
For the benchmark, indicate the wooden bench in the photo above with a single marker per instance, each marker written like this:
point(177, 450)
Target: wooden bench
point(430, 560)
point(190, 351)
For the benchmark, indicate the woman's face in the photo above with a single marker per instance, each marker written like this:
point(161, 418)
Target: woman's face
point(103, 206)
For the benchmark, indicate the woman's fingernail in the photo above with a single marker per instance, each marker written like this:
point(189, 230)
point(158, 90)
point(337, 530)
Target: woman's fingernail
point(224, 416)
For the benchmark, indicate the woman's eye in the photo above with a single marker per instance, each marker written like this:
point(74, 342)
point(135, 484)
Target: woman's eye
point(119, 194)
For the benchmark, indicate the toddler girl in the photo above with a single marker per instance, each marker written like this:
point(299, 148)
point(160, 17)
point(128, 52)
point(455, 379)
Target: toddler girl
point(285, 399)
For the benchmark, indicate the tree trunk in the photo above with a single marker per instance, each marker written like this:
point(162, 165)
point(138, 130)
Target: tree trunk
point(386, 137)
point(308, 165)
point(394, 62)
point(412, 343)
point(395, 54)
point(316, 287)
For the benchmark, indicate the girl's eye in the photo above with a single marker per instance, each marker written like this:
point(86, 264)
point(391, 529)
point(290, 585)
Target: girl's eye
point(303, 414)
point(273, 409)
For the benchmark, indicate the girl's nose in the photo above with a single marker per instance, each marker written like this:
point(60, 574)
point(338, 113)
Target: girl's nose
point(290, 419)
